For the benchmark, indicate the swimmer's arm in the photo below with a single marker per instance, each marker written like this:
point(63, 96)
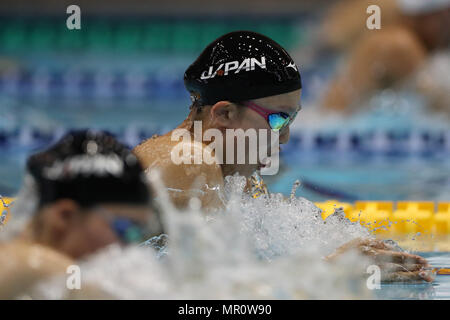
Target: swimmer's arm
point(378, 61)
point(25, 265)
point(395, 266)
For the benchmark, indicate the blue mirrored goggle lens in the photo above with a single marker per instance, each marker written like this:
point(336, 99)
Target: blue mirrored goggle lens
point(278, 120)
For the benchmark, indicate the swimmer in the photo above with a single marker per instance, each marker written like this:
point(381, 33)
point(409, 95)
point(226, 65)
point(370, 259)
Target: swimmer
point(395, 55)
point(258, 98)
point(89, 192)
point(344, 23)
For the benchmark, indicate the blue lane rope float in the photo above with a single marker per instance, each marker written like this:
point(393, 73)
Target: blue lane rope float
point(329, 192)
point(423, 142)
point(90, 83)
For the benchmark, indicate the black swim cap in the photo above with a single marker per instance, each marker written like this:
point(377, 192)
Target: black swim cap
point(89, 167)
point(239, 66)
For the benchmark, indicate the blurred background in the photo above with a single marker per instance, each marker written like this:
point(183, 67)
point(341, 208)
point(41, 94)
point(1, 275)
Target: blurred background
point(375, 123)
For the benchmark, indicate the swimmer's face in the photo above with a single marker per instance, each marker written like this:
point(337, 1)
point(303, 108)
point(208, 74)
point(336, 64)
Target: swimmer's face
point(231, 116)
point(79, 232)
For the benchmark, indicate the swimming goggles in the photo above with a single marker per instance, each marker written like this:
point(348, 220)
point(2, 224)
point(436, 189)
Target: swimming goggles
point(276, 120)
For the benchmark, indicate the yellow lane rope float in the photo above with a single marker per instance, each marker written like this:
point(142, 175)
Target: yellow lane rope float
point(5, 204)
point(403, 217)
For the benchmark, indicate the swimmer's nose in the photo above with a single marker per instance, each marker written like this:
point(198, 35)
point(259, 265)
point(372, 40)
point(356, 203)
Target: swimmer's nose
point(284, 135)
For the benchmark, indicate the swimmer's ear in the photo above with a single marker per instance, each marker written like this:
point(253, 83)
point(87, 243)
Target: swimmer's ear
point(224, 114)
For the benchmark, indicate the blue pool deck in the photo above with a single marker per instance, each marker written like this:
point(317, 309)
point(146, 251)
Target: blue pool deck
point(437, 290)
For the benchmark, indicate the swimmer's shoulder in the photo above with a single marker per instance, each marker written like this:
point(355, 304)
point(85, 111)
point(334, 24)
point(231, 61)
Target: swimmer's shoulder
point(184, 179)
point(152, 149)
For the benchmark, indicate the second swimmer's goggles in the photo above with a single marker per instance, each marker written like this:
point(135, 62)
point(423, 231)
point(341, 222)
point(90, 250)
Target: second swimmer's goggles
point(126, 229)
point(276, 120)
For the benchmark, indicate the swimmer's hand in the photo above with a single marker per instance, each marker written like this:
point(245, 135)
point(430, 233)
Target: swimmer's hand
point(395, 265)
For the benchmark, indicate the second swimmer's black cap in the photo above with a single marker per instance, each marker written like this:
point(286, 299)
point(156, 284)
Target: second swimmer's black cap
point(239, 66)
point(89, 167)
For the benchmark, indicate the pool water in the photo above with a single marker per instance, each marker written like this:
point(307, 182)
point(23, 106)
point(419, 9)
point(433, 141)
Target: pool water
point(27, 126)
point(352, 176)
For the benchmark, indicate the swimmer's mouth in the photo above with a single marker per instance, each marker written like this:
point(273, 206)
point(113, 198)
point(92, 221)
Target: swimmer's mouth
point(266, 162)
